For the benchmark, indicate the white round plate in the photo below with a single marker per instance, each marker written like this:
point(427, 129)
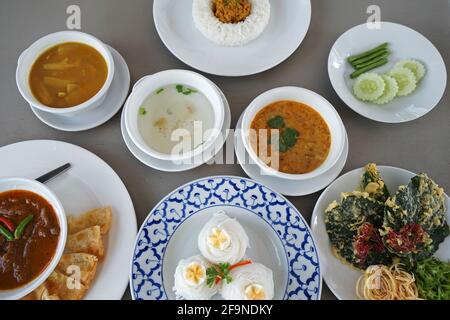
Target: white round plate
point(283, 186)
point(89, 184)
point(169, 166)
point(91, 119)
point(279, 237)
point(404, 43)
point(288, 25)
point(340, 278)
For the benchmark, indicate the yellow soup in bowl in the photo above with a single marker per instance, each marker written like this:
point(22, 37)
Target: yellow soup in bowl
point(67, 75)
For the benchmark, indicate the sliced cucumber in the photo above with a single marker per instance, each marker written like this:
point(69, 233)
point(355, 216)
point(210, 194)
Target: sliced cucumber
point(415, 66)
point(369, 87)
point(406, 81)
point(390, 90)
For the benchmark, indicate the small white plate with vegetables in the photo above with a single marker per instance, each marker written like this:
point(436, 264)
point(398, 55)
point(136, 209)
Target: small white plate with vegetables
point(392, 74)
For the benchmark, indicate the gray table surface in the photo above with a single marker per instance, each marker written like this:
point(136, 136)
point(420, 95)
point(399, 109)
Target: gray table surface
point(422, 145)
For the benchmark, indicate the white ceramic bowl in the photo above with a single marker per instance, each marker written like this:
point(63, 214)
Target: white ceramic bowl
point(8, 184)
point(147, 85)
point(315, 101)
point(29, 56)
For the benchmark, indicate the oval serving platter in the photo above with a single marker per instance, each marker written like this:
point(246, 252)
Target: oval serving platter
point(279, 237)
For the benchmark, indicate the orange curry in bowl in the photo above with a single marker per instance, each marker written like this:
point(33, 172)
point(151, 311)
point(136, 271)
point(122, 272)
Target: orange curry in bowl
point(29, 235)
point(296, 134)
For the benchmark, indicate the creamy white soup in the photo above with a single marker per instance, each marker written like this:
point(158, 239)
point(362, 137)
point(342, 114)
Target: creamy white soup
point(175, 117)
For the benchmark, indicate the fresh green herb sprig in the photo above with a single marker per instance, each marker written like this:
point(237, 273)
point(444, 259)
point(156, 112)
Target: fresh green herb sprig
point(218, 273)
point(433, 279)
point(215, 274)
point(276, 122)
point(222, 272)
point(287, 137)
point(185, 90)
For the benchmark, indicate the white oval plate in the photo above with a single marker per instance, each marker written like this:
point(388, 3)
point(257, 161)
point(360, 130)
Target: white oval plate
point(90, 183)
point(288, 187)
point(279, 237)
point(341, 278)
point(93, 118)
point(169, 166)
point(288, 25)
point(404, 43)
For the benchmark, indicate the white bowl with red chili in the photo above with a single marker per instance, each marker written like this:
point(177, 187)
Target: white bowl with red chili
point(33, 232)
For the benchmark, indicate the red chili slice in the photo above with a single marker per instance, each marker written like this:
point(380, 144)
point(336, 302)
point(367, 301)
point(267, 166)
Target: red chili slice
point(367, 240)
point(8, 223)
point(409, 237)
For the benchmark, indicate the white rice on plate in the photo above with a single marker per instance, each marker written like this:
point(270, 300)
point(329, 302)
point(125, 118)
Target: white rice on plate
point(231, 34)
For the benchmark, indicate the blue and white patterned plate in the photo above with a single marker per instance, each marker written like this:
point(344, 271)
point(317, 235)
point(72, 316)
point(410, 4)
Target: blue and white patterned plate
point(279, 237)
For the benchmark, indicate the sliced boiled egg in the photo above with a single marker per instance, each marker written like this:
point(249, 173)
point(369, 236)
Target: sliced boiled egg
point(219, 239)
point(195, 274)
point(255, 292)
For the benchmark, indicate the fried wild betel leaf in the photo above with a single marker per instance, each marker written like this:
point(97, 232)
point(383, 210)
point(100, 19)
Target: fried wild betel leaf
point(414, 224)
point(372, 183)
point(352, 227)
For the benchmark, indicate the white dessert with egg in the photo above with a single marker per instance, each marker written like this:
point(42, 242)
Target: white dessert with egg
point(191, 280)
point(223, 240)
point(251, 282)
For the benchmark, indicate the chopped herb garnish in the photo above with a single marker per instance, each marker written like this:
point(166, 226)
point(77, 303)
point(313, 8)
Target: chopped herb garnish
point(222, 272)
point(276, 122)
point(185, 90)
point(282, 147)
point(288, 136)
point(215, 274)
point(142, 111)
point(159, 91)
point(211, 275)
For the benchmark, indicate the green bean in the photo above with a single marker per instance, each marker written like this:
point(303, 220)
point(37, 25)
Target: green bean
point(8, 235)
point(365, 64)
point(22, 225)
point(359, 72)
point(367, 53)
point(370, 57)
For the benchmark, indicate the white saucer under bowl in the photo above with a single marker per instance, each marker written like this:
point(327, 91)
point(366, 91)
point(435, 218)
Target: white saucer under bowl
point(169, 166)
point(114, 100)
point(288, 187)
